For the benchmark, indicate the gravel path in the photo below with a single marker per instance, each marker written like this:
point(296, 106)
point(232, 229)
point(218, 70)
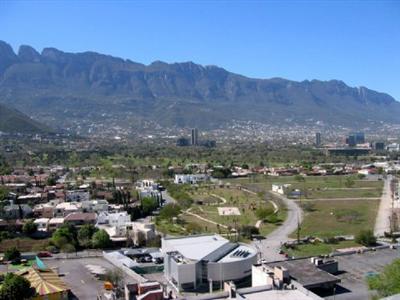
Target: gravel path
point(382, 222)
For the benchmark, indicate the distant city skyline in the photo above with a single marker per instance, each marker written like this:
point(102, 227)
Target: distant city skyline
point(354, 41)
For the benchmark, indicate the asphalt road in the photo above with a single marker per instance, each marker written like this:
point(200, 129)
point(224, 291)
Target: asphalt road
point(382, 222)
point(269, 247)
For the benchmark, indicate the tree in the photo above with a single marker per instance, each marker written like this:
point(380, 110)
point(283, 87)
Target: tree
point(299, 178)
point(149, 204)
point(101, 239)
point(12, 254)
point(3, 193)
point(349, 182)
point(387, 283)
point(170, 211)
point(65, 235)
point(29, 228)
point(366, 238)
point(85, 235)
point(248, 231)
point(16, 287)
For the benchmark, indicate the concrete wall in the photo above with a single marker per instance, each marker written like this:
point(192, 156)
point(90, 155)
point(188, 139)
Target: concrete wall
point(231, 270)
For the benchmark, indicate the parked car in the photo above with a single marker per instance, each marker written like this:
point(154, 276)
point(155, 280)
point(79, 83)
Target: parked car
point(44, 254)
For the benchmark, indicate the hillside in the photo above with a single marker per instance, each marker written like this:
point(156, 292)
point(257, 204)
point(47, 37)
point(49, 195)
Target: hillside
point(13, 121)
point(84, 89)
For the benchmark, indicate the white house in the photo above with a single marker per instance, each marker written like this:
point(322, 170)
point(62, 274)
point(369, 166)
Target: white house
point(190, 178)
point(42, 224)
point(119, 227)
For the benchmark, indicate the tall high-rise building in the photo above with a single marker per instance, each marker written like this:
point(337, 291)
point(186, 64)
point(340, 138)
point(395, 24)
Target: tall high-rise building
point(318, 139)
point(195, 137)
point(360, 137)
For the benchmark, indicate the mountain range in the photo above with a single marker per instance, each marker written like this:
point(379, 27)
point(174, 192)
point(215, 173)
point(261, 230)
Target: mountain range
point(13, 121)
point(73, 90)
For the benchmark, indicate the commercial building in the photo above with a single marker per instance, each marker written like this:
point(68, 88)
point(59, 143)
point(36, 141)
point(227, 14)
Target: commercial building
point(194, 261)
point(318, 139)
point(195, 137)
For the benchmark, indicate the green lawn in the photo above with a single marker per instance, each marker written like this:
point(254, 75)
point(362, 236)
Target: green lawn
point(339, 217)
point(318, 249)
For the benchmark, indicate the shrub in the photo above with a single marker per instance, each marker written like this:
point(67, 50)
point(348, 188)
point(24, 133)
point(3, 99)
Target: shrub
point(366, 238)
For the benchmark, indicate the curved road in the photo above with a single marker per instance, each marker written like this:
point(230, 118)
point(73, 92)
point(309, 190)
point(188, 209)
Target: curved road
point(269, 247)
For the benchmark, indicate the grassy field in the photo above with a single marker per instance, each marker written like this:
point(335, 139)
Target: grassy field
point(206, 203)
point(247, 204)
point(320, 186)
point(338, 217)
point(318, 249)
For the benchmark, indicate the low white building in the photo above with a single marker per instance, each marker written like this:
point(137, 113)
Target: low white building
point(119, 227)
point(280, 188)
point(42, 224)
point(65, 208)
point(55, 223)
point(190, 178)
point(97, 206)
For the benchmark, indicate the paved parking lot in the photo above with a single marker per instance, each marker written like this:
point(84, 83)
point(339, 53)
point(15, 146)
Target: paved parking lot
point(354, 269)
point(74, 272)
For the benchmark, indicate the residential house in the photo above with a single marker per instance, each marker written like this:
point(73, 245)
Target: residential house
point(78, 218)
point(42, 224)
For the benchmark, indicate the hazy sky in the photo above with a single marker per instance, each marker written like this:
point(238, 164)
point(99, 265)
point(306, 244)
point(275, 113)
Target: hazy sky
point(355, 41)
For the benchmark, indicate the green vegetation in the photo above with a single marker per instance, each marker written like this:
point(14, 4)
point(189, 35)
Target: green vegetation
point(101, 239)
point(65, 238)
point(180, 193)
point(148, 205)
point(366, 238)
point(29, 228)
point(85, 234)
point(339, 217)
point(170, 211)
point(12, 254)
point(386, 283)
point(3, 192)
point(69, 239)
point(16, 287)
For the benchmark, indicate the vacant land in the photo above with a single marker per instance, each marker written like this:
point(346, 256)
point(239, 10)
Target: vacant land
point(320, 187)
point(318, 249)
point(24, 244)
point(338, 217)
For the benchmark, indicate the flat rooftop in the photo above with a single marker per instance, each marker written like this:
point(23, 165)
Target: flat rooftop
point(277, 295)
point(306, 273)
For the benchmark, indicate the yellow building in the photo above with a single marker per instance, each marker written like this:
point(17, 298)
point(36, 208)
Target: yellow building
point(47, 284)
